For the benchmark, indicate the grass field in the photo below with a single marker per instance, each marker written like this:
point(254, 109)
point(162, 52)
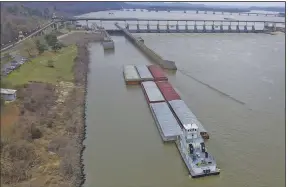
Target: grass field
point(37, 69)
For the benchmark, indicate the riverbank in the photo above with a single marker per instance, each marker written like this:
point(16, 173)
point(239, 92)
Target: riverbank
point(43, 145)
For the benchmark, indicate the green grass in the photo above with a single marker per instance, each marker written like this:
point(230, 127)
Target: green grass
point(6, 60)
point(37, 69)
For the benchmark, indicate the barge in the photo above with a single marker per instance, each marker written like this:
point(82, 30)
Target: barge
point(157, 73)
point(144, 73)
point(194, 153)
point(185, 116)
point(166, 123)
point(168, 91)
point(130, 75)
point(151, 92)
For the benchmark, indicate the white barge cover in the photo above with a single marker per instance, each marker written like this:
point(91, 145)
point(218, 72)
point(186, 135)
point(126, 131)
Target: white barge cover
point(184, 114)
point(130, 73)
point(152, 92)
point(144, 73)
point(165, 121)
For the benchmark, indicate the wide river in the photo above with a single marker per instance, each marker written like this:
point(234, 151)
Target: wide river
point(234, 84)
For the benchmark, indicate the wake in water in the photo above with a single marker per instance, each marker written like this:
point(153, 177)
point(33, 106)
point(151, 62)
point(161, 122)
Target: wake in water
point(216, 90)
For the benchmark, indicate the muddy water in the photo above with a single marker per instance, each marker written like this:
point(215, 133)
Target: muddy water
point(233, 83)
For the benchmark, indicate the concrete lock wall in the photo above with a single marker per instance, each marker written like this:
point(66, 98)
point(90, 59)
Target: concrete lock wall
point(108, 43)
point(166, 64)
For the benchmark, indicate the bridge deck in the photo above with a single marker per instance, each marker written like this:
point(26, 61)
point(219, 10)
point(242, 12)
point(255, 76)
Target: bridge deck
point(159, 19)
point(117, 31)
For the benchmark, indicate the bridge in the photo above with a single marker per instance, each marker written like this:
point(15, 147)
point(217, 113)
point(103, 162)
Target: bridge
point(216, 26)
point(199, 25)
point(36, 33)
point(155, 19)
point(209, 12)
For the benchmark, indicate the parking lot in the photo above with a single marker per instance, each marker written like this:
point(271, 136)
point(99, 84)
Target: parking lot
point(12, 65)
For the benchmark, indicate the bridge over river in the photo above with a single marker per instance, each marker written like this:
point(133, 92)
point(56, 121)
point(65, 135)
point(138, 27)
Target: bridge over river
point(157, 25)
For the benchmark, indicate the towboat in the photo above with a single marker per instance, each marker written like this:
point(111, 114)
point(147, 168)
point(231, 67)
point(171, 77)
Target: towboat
point(194, 153)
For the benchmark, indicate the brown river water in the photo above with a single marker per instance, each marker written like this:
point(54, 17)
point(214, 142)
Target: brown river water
point(234, 84)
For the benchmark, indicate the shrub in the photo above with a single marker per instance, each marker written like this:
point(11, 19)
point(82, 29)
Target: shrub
point(50, 63)
point(57, 144)
point(16, 160)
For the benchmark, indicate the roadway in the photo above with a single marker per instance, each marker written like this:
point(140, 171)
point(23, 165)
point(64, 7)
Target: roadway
point(158, 19)
point(29, 36)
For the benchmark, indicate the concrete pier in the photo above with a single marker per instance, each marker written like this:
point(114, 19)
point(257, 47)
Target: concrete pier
point(166, 64)
point(108, 43)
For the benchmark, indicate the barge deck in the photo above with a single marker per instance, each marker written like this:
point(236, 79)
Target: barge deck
point(185, 116)
point(144, 73)
point(151, 92)
point(130, 75)
point(166, 123)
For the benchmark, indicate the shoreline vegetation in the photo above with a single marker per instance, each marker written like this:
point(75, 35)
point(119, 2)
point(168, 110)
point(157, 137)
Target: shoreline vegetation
point(42, 137)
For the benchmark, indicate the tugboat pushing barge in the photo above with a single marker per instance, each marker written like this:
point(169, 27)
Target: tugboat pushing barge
point(192, 149)
point(174, 120)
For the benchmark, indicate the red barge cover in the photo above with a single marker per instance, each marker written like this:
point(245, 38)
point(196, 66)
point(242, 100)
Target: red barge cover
point(167, 91)
point(157, 73)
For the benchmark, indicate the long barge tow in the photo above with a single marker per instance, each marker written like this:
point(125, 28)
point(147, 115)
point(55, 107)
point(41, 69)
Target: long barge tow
point(175, 121)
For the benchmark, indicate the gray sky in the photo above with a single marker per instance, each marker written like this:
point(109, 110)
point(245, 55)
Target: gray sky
point(242, 3)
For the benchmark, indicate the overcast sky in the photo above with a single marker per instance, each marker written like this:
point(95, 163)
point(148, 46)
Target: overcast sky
point(242, 3)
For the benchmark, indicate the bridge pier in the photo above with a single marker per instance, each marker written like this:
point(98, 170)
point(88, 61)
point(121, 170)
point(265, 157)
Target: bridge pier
point(274, 27)
point(245, 28)
point(168, 27)
point(237, 28)
point(138, 28)
point(127, 26)
point(221, 28)
point(148, 27)
point(195, 28)
point(253, 28)
point(229, 28)
point(186, 27)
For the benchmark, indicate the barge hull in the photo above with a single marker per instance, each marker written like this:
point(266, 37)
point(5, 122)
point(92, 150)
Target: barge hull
point(166, 123)
point(193, 175)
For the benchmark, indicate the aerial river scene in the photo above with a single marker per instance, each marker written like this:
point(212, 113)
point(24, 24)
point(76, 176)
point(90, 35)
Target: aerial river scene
point(143, 94)
point(234, 83)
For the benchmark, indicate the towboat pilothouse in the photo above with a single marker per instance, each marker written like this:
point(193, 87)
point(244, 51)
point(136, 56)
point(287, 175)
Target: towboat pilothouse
point(194, 153)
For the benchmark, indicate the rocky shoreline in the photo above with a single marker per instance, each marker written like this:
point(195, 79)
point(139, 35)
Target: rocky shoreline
point(81, 81)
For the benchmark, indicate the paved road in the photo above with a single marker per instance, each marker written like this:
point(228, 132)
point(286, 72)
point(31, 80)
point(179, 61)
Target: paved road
point(29, 36)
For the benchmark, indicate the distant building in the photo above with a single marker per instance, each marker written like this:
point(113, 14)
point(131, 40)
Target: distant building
point(8, 94)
